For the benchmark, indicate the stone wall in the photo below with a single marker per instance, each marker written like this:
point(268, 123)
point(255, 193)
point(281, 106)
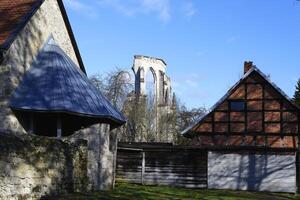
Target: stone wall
point(101, 144)
point(259, 172)
point(46, 21)
point(33, 167)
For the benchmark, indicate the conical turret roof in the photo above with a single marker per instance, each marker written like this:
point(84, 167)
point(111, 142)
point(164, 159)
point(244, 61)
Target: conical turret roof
point(55, 84)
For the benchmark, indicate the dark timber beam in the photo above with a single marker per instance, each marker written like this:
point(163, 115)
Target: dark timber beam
point(31, 124)
point(58, 130)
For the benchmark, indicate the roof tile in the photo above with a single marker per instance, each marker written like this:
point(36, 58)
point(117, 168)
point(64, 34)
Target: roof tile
point(14, 14)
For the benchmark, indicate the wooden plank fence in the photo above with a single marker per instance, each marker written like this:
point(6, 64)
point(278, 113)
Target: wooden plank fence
point(162, 165)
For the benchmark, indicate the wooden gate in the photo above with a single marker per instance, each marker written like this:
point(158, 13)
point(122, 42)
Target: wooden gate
point(160, 164)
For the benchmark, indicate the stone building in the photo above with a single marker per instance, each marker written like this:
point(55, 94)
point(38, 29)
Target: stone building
point(48, 104)
point(160, 95)
point(162, 83)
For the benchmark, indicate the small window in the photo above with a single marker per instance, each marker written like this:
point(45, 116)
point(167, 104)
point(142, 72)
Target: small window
point(237, 105)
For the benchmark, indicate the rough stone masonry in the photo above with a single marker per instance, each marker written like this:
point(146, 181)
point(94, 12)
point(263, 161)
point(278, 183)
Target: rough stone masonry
point(33, 166)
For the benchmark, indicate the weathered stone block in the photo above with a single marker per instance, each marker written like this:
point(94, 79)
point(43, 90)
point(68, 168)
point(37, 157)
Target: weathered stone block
point(35, 166)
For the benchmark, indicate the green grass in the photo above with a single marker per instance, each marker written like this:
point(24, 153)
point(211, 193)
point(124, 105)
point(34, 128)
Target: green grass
point(125, 191)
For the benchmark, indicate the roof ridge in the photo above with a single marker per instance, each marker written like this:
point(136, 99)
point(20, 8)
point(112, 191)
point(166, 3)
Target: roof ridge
point(253, 68)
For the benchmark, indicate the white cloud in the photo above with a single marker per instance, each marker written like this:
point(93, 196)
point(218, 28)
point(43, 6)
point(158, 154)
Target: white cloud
point(186, 83)
point(188, 88)
point(191, 83)
point(189, 9)
point(128, 8)
point(81, 7)
point(231, 39)
point(161, 8)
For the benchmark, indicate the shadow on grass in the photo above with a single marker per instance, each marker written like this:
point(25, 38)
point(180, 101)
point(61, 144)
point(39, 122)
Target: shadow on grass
point(125, 191)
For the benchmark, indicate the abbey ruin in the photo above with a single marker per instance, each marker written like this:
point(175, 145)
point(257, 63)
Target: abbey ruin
point(162, 83)
point(153, 106)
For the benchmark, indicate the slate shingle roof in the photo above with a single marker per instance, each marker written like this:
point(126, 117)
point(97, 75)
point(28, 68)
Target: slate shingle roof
point(55, 84)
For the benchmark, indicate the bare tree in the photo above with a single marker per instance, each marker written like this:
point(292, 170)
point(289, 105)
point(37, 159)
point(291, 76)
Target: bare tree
point(146, 122)
point(188, 116)
point(116, 86)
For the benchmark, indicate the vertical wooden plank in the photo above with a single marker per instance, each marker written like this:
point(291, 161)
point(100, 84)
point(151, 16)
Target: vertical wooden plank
point(162, 164)
point(143, 167)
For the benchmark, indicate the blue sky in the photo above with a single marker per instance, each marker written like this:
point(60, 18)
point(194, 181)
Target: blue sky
point(204, 42)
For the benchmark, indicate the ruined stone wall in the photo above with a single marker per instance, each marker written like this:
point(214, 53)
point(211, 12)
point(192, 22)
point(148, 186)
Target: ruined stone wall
point(162, 91)
point(101, 143)
point(142, 65)
point(33, 167)
point(46, 21)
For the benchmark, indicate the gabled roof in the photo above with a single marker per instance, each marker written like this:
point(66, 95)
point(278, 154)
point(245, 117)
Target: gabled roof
point(15, 14)
point(232, 89)
point(55, 84)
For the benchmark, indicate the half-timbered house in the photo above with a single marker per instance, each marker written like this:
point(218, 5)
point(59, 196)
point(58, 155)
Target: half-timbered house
point(254, 112)
point(251, 136)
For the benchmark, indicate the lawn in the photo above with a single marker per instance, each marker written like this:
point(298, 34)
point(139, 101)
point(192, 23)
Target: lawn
point(125, 191)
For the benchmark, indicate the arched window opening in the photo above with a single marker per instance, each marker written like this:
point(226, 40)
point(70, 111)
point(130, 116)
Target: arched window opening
point(150, 87)
point(161, 86)
point(142, 74)
point(167, 96)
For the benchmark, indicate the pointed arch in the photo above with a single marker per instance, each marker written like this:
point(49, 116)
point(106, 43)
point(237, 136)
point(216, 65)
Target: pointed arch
point(167, 96)
point(141, 74)
point(151, 82)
